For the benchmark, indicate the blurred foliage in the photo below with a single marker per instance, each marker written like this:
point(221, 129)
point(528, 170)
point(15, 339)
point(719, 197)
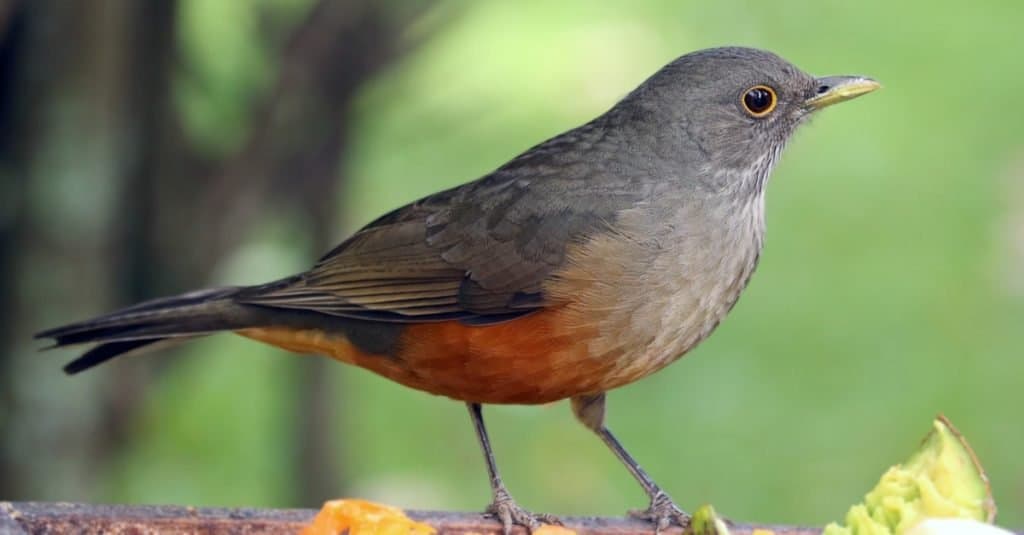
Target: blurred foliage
point(229, 65)
point(885, 294)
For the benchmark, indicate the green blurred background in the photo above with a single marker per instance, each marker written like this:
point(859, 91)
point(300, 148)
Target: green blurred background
point(149, 148)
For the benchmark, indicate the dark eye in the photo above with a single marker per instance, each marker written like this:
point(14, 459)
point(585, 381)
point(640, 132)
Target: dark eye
point(759, 100)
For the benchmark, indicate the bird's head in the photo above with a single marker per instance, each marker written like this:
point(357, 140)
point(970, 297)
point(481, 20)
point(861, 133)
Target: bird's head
point(726, 113)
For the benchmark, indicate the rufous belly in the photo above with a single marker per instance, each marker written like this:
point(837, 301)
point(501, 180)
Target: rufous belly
point(537, 358)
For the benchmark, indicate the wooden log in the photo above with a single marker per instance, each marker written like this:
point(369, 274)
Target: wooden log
point(22, 518)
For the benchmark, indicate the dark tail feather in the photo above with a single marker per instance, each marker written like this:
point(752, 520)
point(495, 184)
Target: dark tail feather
point(186, 314)
point(151, 325)
point(104, 352)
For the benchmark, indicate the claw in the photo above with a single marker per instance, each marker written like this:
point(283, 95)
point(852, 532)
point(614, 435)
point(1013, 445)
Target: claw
point(663, 513)
point(509, 513)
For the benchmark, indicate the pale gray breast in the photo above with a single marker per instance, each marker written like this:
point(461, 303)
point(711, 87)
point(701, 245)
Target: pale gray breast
point(651, 298)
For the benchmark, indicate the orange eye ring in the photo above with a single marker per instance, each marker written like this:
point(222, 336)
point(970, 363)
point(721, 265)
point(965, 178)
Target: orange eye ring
point(759, 100)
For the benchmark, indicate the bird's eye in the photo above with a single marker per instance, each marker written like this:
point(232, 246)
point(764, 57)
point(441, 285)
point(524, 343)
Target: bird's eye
point(759, 100)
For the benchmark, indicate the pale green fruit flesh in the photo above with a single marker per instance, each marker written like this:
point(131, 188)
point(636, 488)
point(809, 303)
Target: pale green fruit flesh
point(942, 479)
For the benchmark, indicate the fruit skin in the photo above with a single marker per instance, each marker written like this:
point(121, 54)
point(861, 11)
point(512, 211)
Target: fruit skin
point(942, 479)
point(956, 526)
point(362, 517)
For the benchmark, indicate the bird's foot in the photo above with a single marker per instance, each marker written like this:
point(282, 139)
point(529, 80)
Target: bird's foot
point(509, 513)
point(663, 513)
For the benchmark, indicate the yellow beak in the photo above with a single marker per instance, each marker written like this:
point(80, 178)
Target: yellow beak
point(835, 89)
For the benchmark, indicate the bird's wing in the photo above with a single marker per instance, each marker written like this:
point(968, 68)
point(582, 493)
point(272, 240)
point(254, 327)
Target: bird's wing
point(479, 253)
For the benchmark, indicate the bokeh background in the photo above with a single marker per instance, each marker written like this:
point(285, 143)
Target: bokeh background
point(148, 148)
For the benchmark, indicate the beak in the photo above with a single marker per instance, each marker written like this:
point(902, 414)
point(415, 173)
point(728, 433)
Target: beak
point(834, 89)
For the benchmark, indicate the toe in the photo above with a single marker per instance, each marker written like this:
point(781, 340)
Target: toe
point(548, 519)
point(510, 513)
point(505, 517)
point(663, 513)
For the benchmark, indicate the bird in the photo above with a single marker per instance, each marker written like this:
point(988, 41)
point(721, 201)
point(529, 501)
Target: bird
point(591, 260)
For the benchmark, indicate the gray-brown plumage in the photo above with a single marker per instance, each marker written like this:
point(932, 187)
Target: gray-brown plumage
point(589, 261)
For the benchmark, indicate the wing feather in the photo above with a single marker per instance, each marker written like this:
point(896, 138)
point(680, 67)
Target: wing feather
point(479, 253)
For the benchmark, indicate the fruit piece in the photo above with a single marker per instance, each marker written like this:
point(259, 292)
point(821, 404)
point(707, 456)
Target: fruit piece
point(706, 522)
point(956, 526)
point(361, 517)
point(942, 479)
point(548, 529)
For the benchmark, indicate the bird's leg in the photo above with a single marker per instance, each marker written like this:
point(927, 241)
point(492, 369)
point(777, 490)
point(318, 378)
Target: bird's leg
point(663, 512)
point(507, 511)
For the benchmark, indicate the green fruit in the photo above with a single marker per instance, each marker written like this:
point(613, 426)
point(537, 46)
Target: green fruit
point(706, 522)
point(942, 479)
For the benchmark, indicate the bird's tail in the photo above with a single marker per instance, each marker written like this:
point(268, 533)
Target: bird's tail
point(152, 324)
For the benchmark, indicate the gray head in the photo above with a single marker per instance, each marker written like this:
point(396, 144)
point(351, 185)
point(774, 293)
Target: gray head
point(726, 113)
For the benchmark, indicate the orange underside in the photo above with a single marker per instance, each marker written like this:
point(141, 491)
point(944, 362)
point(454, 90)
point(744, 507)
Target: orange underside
point(533, 359)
